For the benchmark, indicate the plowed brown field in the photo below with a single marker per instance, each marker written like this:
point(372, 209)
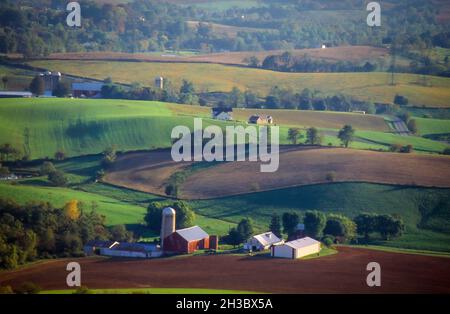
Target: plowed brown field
point(150, 171)
point(344, 272)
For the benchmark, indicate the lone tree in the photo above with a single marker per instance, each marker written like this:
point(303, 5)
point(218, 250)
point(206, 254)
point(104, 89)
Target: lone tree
point(60, 155)
point(245, 229)
point(57, 178)
point(314, 223)
point(293, 135)
point(412, 126)
point(37, 85)
point(313, 137)
point(346, 135)
point(7, 151)
point(400, 100)
point(275, 225)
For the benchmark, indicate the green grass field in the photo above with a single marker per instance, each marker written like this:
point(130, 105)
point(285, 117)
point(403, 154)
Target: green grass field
point(115, 211)
point(80, 127)
point(87, 126)
point(213, 77)
point(432, 126)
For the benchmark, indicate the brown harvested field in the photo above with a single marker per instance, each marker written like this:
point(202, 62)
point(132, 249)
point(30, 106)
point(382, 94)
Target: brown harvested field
point(144, 171)
point(333, 120)
point(311, 166)
point(344, 272)
point(332, 54)
point(150, 171)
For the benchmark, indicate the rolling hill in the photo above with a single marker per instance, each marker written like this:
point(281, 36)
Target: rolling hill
point(83, 126)
point(374, 86)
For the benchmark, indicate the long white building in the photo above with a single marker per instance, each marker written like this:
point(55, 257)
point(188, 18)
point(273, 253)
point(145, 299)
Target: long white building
point(296, 249)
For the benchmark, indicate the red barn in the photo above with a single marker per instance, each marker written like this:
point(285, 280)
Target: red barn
point(186, 240)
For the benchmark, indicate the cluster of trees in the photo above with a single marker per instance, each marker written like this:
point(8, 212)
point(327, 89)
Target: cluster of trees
point(332, 227)
point(186, 94)
point(150, 25)
point(185, 215)
point(40, 230)
point(55, 176)
point(286, 98)
point(339, 227)
point(287, 62)
point(313, 137)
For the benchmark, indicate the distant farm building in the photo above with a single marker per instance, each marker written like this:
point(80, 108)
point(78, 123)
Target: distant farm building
point(296, 249)
point(135, 250)
point(94, 246)
point(14, 94)
point(260, 119)
point(183, 241)
point(87, 90)
point(159, 82)
point(225, 114)
point(51, 80)
point(263, 241)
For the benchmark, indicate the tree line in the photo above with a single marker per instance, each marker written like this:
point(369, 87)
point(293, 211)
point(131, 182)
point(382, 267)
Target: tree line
point(41, 230)
point(330, 228)
point(287, 62)
point(150, 25)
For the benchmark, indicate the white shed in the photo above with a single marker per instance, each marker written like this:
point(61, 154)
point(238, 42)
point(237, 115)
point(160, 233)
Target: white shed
point(297, 248)
point(262, 241)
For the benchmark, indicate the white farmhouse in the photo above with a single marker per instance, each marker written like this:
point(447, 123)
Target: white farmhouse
point(297, 248)
point(262, 242)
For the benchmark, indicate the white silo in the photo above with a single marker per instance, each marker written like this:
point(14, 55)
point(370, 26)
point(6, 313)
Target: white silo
point(167, 223)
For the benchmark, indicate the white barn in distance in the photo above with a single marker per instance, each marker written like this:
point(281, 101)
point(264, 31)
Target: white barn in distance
point(263, 241)
point(296, 249)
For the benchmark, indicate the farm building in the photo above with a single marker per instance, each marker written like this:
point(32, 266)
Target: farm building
point(260, 119)
point(186, 240)
point(296, 249)
point(262, 242)
point(14, 94)
point(87, 90)
point(159, 82)
point(225, 114)
point(51, 80)
point(135, 250)
point(94, 246)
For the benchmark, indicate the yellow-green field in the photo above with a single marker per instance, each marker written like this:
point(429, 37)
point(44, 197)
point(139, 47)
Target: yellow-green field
point(214, 77)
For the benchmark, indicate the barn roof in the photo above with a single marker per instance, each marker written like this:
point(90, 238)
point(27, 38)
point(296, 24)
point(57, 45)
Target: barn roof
point(300, 243)
point(87, 86)
point(101, 243)
point(15, 93)
point(134, 247)
point(267, 238)
point(192, 234)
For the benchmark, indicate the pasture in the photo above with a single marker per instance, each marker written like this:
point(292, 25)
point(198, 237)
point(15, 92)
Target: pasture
point(374, 86)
